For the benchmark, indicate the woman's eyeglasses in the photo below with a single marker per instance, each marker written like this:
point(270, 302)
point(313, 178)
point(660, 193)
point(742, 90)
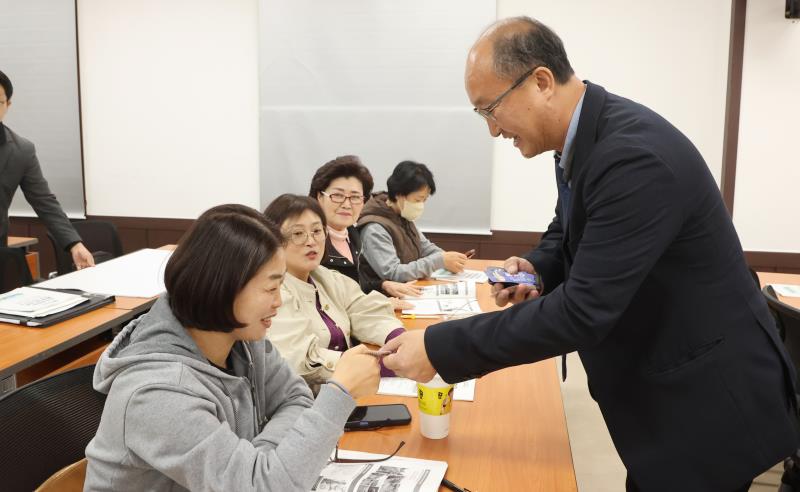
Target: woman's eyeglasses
point(336, 458)
point(341, 197)
point(300, 237)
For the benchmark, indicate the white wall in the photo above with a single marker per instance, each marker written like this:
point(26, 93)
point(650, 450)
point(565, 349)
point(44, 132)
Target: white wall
point(170, 102)
point(670, 56)
point(768, 167)
point(169, 96)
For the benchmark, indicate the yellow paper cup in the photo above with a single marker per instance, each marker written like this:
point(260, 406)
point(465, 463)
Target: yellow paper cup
point(435, 402)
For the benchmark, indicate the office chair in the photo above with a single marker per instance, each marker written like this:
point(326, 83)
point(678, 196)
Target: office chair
point(14, 271)
point(46, 426)
point(99, 237)
point(788, 320)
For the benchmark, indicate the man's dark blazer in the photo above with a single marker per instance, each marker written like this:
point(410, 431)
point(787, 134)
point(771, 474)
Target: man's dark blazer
point(19, 167)
point(650, 286)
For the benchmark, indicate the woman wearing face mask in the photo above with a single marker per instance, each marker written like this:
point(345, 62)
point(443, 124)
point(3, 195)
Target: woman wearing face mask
point(392, 245)
point(322, 309)
point(340, 186)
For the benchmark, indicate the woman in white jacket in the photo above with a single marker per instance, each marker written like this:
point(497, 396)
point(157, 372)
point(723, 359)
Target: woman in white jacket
point(323, 310)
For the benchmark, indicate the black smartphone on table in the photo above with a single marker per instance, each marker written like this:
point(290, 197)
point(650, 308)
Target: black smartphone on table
point(375, 416)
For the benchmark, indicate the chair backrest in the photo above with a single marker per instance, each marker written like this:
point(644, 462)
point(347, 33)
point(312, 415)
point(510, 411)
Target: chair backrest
point(14, 271)
point(67, 479)
point(99, 237)
point(788, 320)
point(46, 426)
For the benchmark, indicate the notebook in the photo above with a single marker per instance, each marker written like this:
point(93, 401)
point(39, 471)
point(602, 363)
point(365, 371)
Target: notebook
point(90, 303)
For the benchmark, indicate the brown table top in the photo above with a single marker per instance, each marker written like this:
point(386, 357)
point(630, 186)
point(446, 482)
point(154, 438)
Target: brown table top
point(22, 346)
point(512, 437)
point(782, 278)
point(21, 242)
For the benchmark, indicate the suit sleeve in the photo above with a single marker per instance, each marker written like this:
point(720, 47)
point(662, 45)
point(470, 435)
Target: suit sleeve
point(547, 258)
point(37, 192)
point(632, 217)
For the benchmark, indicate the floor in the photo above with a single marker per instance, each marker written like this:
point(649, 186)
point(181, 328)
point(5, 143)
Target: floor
point(597, 465)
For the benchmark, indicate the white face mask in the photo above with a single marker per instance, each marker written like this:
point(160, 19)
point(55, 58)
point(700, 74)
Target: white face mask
point(412, 210)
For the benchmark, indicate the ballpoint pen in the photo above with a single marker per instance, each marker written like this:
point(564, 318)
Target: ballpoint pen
point(450, 485)
point(418, 316)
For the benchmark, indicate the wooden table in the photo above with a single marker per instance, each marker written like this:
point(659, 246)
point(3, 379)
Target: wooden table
point(32, 257)
point(24, 348)
point(21, 242)
point(513, 437)
point(781, 278)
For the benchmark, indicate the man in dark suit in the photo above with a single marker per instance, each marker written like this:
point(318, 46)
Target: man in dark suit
point(642, 273)
point(20, 168)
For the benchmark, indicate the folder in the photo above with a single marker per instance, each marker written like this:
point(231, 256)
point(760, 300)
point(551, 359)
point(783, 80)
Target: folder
point(93, 301)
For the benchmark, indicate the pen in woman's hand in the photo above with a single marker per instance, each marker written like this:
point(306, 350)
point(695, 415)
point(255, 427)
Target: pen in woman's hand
point(469, 254)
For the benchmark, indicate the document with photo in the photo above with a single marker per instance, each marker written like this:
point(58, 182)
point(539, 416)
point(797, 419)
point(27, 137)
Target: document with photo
point(455, 290)
point(397, 474)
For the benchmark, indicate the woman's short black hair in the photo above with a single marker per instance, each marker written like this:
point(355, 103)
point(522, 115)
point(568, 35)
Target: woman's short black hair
point(289, 206)
point(408, 177)
point(218, 255)
point(5, 83)
point(345, 166)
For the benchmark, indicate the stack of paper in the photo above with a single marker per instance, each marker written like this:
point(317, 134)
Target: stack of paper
point(473, 275)
point(464, 391)
point(445, 299)
point(35, 303)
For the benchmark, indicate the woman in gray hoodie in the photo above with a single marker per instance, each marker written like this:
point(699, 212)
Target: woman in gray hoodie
point(197, 399)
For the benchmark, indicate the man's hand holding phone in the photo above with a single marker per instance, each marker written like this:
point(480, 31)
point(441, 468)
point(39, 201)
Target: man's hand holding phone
point(516, 293)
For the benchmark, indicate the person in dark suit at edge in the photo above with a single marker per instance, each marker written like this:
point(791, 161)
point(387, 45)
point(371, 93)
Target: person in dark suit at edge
point(642, 273)
point(19, 167)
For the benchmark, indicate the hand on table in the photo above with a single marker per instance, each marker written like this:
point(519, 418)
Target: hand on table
point(81, 256)
point(401, 289)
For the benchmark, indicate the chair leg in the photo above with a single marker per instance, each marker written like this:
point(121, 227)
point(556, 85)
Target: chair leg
point(790, 481)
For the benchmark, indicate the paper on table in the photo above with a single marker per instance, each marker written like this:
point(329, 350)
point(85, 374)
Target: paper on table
point(35, 303)
point(447, 307)
point(139, 274)
point(398, 474)
point(787, 290)
point(474, 275)
point(461, 289)
point(464, 391)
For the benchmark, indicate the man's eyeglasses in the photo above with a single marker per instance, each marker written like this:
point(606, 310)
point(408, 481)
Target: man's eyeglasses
point(300, 237)
point(336, 458)
point(487, 112)
point(341, 197)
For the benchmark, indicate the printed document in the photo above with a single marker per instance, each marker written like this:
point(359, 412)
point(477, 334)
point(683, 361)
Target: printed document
point(398, 474)
point(473, 275)
point(35, 303)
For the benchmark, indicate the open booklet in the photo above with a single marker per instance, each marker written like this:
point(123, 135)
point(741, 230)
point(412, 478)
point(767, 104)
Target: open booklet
point(397, 474)
point(457, 298)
